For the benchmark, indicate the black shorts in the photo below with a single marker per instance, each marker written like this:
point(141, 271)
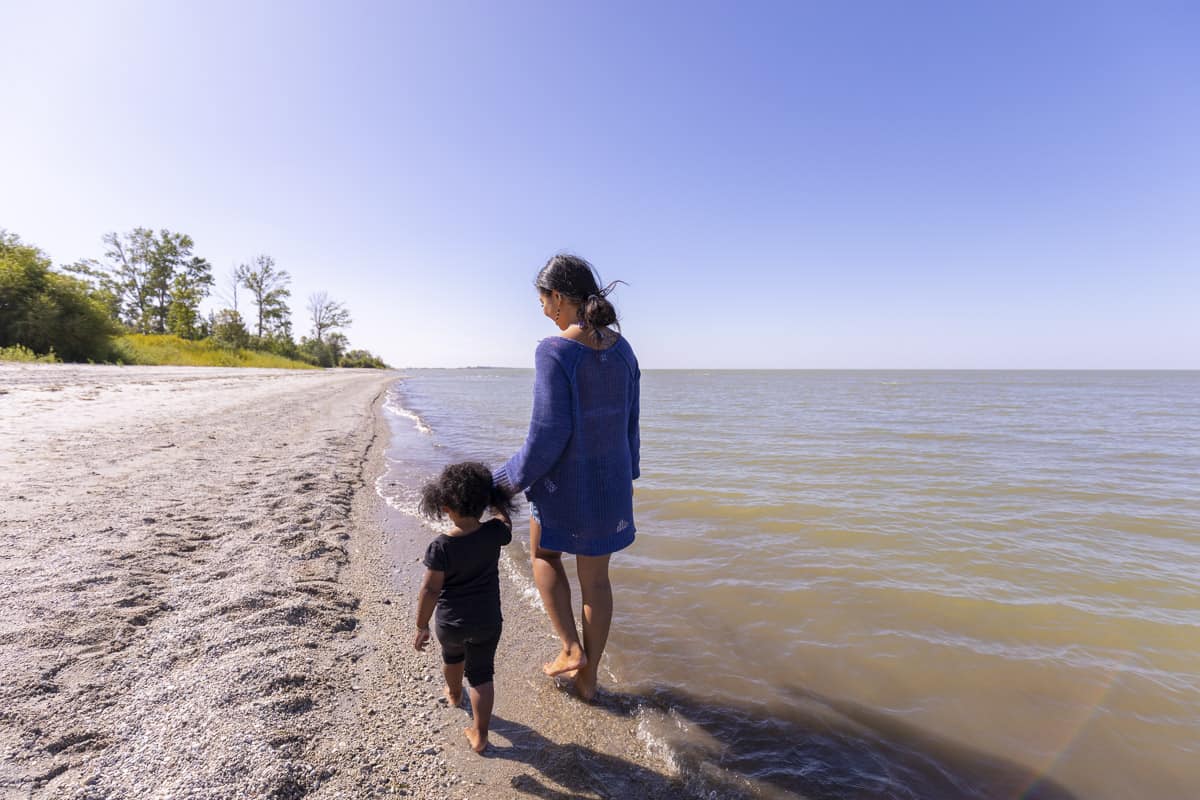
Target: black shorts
point(476, 646)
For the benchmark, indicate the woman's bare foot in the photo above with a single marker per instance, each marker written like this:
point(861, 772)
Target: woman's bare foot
point(455, 700)
point(478, 743)
point(585, 684)
point(572, 658)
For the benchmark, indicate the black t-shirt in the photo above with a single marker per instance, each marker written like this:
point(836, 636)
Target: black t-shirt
point(471, 591)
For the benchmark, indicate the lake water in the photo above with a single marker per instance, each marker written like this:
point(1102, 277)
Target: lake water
point(894, 584)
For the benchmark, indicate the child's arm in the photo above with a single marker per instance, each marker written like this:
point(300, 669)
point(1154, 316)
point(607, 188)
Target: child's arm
point(431, 587)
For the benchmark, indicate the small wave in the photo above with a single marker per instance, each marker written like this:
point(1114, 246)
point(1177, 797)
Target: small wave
point(394, 406)
point(655, 745)
point(525, 586)
point(397, 504)
point(407, 500)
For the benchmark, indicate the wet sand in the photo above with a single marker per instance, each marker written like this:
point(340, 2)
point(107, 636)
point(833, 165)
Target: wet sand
point(201, 595)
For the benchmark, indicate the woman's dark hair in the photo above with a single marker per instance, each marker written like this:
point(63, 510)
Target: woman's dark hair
point(465, 489)
point(578, 280)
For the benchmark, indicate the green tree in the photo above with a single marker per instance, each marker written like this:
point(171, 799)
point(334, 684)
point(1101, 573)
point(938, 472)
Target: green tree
point(149, 273)
point(129, 270)
point(228, 330)
point(362, 359)
point(268, 289)
point(281, 343)
point(189, 286)
point(170, 258)
point(338, 344)
point(324, 353)
point(103, 286)
point(47, 311)
point(314, 351)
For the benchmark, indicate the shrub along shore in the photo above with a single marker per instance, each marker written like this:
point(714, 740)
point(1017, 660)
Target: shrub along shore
point(149, 349)
point(143, 349)
point(140, 304)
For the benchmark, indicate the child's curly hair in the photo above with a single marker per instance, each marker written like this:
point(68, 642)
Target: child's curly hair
point(466, 489)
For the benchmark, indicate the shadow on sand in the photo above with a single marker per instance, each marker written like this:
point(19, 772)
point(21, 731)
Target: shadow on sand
point(814, 747)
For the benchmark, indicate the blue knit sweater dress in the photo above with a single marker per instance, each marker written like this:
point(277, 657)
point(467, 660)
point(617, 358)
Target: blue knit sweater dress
point(581, 455)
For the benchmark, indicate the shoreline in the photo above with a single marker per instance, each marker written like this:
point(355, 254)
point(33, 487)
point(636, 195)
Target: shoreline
point(180, 611)
point(205, 596)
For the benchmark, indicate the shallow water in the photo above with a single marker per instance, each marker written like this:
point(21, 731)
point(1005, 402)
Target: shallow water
point(893, 584)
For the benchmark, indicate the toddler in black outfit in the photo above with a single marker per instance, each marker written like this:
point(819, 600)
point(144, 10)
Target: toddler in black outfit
point(462, 579)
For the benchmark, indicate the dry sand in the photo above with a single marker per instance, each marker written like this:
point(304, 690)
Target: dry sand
point(197, 600)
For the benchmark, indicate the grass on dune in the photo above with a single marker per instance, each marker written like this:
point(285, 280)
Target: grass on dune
point(18, 353)
point(161, 350)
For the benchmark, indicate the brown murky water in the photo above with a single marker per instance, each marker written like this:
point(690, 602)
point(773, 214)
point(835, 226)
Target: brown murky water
point(891, 584)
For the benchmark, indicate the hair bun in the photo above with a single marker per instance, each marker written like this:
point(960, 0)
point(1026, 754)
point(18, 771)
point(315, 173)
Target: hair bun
point(577, 279)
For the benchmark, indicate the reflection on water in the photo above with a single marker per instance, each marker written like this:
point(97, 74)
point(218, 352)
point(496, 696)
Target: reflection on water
point(987, 568)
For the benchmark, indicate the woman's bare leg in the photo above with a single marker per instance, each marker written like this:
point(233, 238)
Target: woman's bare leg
point(551, 580)
point(597, 618)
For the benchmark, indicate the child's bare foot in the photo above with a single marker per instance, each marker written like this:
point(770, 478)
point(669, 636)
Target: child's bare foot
point(585, 683)
point(572, 658)
point(455, 700)
point(478, 743)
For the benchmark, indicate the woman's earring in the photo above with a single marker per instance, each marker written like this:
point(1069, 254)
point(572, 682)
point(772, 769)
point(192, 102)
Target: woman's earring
point(556, 313)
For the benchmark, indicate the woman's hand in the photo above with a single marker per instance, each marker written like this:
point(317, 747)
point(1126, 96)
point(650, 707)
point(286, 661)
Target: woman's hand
point(421, 639)
point(502, 515)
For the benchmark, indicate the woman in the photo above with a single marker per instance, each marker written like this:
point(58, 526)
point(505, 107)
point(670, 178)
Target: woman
point(579, 460)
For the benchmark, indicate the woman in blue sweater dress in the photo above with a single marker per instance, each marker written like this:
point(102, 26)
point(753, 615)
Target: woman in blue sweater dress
point(579, 460)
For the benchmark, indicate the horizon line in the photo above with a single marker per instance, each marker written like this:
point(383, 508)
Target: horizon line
point(853, 369)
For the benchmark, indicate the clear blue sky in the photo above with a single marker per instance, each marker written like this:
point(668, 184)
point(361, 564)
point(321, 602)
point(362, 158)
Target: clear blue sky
point(864, 184)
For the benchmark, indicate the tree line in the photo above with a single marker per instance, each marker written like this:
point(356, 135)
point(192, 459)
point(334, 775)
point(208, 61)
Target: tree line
point(153, 283)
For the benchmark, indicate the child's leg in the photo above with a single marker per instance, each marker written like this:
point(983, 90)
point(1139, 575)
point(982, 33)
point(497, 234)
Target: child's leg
point(482, 699)
point(454, 681)
point(454, 661)
point(480, 668)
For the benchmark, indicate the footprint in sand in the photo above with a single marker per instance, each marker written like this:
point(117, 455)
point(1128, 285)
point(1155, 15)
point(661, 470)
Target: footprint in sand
point(72, 741)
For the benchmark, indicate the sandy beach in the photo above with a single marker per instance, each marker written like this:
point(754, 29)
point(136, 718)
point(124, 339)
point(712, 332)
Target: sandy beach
point(201, 595)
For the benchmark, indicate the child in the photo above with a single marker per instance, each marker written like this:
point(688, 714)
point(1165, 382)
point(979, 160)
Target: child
point(462, 578)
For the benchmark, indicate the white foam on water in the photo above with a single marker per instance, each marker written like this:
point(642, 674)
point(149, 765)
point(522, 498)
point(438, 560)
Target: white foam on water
point(525, 586)
point(398, 496)
point(655, 745)
point(705, 778)
point(396, 408)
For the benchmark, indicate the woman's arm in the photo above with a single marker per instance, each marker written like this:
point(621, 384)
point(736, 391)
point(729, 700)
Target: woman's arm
point(550, 425)
point(635, 432)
